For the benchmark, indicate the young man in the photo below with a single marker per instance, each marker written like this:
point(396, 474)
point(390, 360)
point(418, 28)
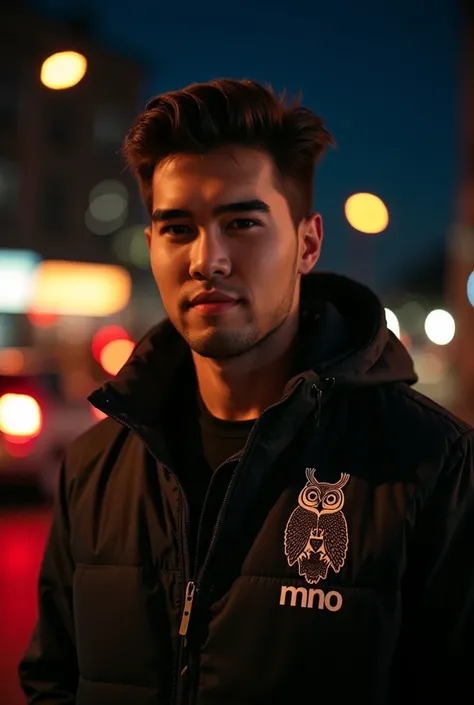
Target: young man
point(269, 514)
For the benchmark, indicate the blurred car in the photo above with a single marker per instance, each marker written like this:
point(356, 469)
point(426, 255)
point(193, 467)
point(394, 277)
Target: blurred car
point(36, 425)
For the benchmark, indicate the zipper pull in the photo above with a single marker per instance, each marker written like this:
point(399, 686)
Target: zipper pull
point(318, 392)
point(326, 385)
point(188, 605)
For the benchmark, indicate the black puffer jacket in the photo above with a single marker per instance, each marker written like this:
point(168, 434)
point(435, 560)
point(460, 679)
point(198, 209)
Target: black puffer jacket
point(334, 560)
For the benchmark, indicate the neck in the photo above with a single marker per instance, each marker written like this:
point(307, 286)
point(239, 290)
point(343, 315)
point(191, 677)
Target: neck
point(240, 388)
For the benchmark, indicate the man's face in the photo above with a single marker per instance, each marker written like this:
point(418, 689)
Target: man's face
point(222, 230)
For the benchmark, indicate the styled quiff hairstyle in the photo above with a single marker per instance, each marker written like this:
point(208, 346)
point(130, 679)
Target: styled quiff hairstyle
point(205, 116)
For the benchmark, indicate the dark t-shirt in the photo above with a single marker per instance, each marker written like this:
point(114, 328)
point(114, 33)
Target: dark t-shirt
point(220, 439)
point(199, 443)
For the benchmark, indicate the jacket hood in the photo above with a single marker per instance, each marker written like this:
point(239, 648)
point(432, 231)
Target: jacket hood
point(343, 335)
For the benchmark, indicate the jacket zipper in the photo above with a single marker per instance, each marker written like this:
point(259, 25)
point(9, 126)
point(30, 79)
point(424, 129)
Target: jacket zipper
point(194, 587)
point(184, 525)
point(192, 584)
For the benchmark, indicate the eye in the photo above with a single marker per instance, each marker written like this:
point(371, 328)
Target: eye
point(176, 230)
point(243, 224)
point(332, 499)
point(312, 496)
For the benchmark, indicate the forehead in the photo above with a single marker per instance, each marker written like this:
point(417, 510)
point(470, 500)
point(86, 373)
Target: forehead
point(230, 173)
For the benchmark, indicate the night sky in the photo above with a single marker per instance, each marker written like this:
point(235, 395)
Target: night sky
point(383, 75)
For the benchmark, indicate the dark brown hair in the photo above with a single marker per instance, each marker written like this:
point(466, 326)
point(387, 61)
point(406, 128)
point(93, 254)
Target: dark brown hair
point(205, 116)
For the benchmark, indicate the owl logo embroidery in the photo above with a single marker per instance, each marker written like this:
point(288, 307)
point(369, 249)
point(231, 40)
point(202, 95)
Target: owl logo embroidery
point(316, 533)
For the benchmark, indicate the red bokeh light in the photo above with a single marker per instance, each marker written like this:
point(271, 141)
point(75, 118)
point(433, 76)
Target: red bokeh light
point(42, 320)
point(106, 335)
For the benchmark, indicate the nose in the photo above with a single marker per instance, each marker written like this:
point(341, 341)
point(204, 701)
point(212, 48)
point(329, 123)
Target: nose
point(209, 257)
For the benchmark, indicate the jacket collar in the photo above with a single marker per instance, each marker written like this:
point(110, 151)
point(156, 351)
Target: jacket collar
point(343, 335)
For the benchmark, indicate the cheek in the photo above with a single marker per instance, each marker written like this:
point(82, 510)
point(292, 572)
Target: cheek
point(159, 273)
point(166, 275)
point(167, 266)
point(273, 256)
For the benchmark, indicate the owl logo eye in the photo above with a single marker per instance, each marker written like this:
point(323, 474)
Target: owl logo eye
point(310, 497)
point(333, 499)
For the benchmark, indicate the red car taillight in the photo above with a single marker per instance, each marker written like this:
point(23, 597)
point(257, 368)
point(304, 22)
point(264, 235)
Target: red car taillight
point(20, 417)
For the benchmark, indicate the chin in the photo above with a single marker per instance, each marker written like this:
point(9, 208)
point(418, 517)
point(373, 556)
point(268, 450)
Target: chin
point(221, 345)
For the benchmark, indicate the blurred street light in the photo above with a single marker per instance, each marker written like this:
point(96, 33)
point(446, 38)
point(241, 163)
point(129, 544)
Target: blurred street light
point(366, 213)
point(392, 322)
point(20, 416)
point(111, 347)
point(440, 327)
point(17, 274)
point(470, 288)
point(131, 246)
point(115, 354)
point(108, 207)
point(62, 70)
point(42, 320)
point(12, 361)
point(80, 289)
point(104, 336)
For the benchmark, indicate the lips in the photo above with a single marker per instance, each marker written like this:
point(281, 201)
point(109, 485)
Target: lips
point(212, 297)
point(213, 302)
point(213, 307)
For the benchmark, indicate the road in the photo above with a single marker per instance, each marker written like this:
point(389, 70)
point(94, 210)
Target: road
point(23, 532)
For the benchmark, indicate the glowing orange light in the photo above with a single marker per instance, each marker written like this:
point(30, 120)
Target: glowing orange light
point(42, 320)
point(12, 361)
point(107, 335)
point(63, 70)
point(80, 288)
point(20, 415)
point(115, 354)
point(367, 213)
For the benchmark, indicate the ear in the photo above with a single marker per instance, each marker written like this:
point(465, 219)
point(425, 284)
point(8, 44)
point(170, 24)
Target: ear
point(311, 237)
point(148, 236)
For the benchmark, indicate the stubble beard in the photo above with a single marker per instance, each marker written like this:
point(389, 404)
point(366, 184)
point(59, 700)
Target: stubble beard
point(223, 343)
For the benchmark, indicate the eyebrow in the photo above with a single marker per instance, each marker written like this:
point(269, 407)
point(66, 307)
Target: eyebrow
point(239, 207)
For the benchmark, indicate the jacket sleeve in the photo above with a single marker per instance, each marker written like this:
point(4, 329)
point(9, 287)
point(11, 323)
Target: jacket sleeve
point(48, 671)
point(433, 663)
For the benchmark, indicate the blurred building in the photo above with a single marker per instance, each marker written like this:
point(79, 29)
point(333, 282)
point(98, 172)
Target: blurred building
point(460, 277)
point(63, 191)
point(65, 195)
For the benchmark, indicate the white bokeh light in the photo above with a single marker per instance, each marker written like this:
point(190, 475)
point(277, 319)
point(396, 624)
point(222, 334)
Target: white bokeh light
point(108, 207)
point(131, 246)
point(392, 322)
point(440, 327)
point(470, 288)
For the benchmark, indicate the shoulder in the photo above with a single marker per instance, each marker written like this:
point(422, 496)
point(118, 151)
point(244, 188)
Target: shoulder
point(425, 429)
point(405, 427)
point(407, 411)
point(423, 411)
point(97, 448)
